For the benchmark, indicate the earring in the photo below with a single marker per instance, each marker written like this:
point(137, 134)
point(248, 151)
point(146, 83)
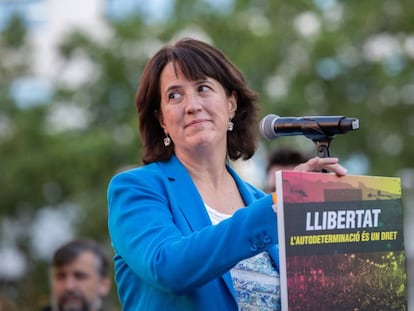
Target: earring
point(230, 126)
point(167, 141)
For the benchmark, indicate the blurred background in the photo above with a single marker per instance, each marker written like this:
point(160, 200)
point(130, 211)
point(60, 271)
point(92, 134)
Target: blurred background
point(68, 75)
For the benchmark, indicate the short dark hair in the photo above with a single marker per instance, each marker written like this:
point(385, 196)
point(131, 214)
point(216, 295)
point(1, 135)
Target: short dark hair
point(197, 60)
point(71, 250)
point(285, 156)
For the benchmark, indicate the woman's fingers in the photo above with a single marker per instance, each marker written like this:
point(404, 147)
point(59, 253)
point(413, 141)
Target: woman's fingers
point(318, 164)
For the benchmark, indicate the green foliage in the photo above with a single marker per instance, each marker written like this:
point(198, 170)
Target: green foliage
point(15, 32)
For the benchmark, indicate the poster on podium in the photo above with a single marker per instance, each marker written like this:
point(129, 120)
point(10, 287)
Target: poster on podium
point(341, 242)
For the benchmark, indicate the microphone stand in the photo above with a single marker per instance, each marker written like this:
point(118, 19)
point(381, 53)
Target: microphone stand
point(321, 138)
point(322, 147)
point(322, 143)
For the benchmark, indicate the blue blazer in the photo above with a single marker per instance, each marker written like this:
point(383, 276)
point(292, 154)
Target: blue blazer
point(168, 255)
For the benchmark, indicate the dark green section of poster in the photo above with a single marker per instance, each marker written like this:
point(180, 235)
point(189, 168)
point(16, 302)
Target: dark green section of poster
point(387, 235)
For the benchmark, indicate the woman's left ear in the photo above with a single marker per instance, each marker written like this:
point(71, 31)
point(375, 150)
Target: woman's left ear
point(233, 103)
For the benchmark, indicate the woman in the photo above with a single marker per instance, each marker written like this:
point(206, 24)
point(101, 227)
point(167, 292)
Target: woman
point(187, 232)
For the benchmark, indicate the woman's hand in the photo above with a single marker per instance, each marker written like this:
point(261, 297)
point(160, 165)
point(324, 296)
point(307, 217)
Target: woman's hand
point(318, 164)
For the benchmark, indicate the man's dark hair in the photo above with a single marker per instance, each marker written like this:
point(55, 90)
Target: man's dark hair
point(70, 251)
point(285, 156)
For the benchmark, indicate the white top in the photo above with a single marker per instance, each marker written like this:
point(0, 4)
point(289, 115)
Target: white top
point(255, 279)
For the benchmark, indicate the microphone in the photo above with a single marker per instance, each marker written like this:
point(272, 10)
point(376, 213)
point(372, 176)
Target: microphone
point(315, 128)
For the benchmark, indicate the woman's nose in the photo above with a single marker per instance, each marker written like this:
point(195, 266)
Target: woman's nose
point(193, 103)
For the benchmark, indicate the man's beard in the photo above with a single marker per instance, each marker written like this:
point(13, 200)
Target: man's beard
point(73, 301)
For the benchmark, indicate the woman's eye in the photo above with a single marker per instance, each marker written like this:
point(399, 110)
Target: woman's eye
point(203, 88)
point(173, 95)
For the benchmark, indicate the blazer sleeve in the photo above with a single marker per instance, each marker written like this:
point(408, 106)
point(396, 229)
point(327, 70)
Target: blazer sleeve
point(145, 234)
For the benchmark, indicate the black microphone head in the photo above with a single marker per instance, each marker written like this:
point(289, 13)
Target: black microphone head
point(267, 126)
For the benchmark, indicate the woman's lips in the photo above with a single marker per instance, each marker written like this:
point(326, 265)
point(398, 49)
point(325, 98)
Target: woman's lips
point(195, 122)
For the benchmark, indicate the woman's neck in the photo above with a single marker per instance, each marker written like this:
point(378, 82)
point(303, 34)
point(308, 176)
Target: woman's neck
point(214, 182)
point(205, 169)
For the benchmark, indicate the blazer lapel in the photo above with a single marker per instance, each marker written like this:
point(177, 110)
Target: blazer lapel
point(185, 194)
point(192, 207)
point(190, 203)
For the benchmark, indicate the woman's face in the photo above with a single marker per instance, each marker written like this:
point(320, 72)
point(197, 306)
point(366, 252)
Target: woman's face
point(194, 113)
